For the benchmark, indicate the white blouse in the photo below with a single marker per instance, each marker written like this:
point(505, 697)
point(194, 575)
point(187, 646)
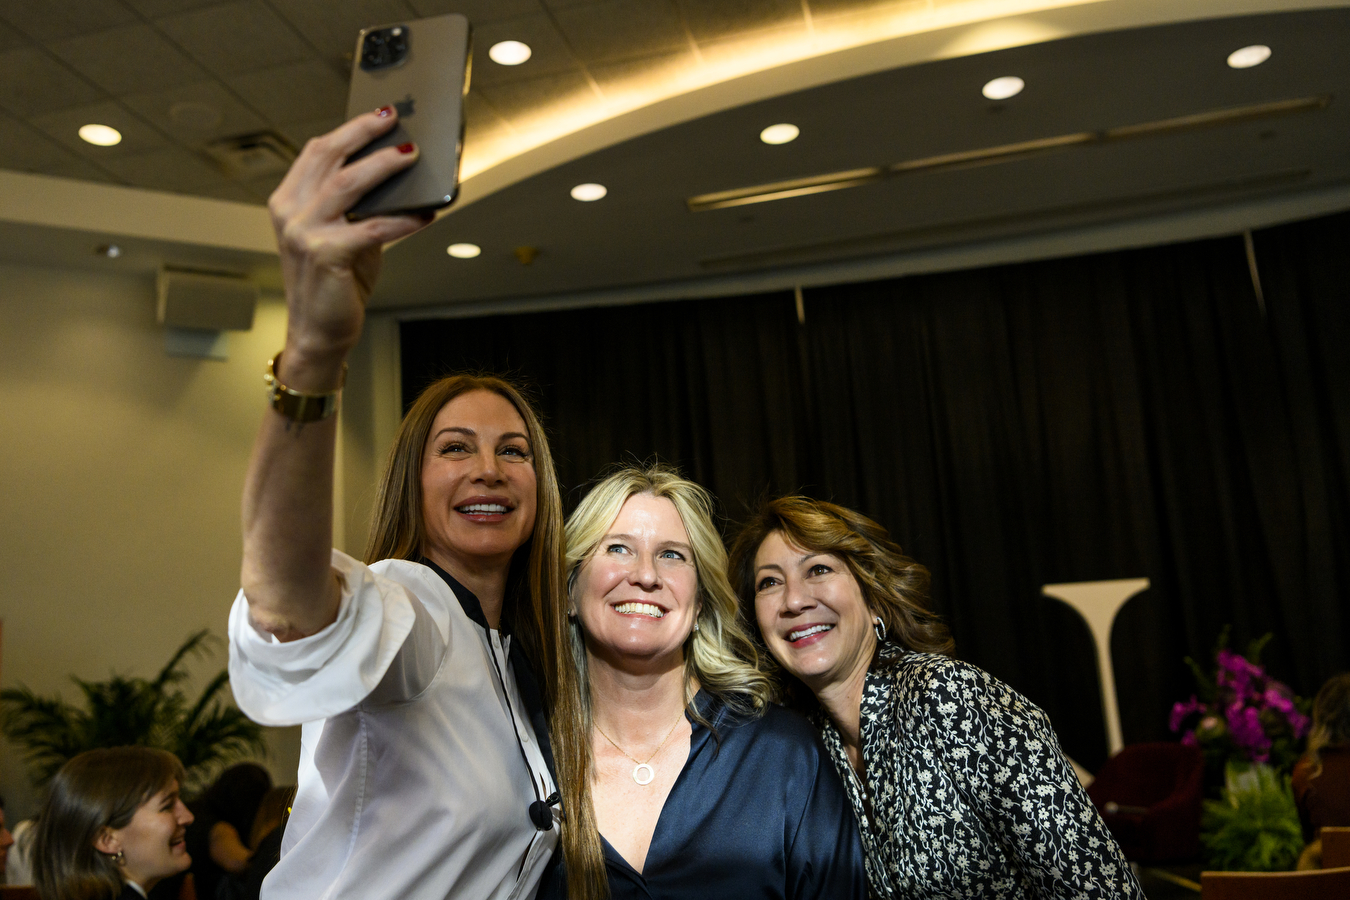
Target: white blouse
point(417, 753)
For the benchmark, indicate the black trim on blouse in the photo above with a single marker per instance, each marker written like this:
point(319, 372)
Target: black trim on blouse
point(526, 680)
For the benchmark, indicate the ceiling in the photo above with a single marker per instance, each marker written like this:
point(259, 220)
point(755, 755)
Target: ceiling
point(1130, 114)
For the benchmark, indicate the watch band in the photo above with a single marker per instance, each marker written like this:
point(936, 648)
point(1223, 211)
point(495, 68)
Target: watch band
point(296, 406)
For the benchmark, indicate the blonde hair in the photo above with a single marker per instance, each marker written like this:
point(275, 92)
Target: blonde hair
point(1330, 720)
point(720, 656)
point(399, 530)
point(95, 790)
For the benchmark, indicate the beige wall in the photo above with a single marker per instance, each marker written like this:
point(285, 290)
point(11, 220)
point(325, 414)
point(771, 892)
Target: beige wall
point(121, 470)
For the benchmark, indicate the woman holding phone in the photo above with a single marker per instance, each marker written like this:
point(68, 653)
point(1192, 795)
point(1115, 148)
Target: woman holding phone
point(425, 767)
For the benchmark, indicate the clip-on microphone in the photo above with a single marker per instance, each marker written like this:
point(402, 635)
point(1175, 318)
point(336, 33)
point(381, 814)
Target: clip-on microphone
point(541, 815)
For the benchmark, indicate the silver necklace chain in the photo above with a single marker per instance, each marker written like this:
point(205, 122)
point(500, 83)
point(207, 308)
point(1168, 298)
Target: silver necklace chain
point(651, 773)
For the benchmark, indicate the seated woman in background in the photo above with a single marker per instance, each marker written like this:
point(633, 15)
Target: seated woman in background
point(1322, 776)
point(958, 782)
point(217, 839)
point(265, 839)
point(670, 721)
point(112, 827)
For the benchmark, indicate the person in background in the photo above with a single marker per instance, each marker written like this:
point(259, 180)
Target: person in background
point(6, 841)
point(224, 814)
point(269, 825)
point(958, 782)
point(1321, 779)
point(676, 723)
point(113, 826)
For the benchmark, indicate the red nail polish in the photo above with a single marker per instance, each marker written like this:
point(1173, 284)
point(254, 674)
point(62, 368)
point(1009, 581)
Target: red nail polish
point(384, 112)
point(405, 148)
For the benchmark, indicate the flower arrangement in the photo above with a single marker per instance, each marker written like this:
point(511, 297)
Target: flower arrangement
point(1241, 713)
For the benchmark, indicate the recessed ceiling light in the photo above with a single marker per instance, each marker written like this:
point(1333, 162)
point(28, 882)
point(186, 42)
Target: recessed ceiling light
point(1003, 88)
point(464, 251)
point(1249, 56)
point(780, 133)
point(509, 53)
point(112, 251)
point(588, 192)
point(100, 135)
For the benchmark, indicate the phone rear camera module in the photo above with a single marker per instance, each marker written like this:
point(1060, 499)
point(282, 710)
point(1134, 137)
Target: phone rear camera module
point(384, 47)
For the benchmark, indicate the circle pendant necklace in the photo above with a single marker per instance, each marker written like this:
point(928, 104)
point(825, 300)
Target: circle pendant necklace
point(643, 768)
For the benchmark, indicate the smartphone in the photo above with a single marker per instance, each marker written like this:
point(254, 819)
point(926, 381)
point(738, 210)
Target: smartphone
point(421, 68)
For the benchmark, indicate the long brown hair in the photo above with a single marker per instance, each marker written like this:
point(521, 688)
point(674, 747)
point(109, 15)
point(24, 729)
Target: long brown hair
point(399, 531)
point(95, 790)
point(1330, 720)
point(894, 586)
point(721, 657)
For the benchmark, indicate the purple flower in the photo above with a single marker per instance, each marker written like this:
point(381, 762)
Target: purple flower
point(1182, 709)
point(1244, 724)
point(1189, 739)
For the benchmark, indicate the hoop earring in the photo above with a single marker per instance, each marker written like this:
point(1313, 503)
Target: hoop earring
point(880, 628)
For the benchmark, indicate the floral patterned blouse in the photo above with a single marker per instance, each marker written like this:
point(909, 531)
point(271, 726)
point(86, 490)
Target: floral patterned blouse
point(968, 794)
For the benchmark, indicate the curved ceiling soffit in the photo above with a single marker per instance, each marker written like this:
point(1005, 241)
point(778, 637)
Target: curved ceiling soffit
point(570, 132)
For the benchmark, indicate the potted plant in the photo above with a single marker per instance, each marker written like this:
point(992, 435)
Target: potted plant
point(204, 733)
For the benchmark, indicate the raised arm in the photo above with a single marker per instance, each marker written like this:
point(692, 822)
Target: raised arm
point(329, 266)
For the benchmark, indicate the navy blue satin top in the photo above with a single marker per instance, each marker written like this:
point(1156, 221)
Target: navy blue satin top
point(758, 812)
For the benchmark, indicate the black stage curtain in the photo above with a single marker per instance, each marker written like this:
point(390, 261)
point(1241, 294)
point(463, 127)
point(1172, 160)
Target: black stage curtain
point(1127, 414)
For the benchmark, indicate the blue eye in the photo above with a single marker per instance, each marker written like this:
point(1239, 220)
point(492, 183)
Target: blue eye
point(672, 554)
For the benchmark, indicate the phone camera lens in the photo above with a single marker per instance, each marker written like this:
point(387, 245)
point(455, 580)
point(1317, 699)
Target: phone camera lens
point(385, 47)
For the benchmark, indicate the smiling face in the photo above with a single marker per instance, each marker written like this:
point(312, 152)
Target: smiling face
point(478, 483)
point(812, 615)
point(636, 596)
point(153, 841)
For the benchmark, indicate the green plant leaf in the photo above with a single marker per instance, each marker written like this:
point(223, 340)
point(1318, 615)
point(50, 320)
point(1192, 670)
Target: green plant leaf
point(205, 734)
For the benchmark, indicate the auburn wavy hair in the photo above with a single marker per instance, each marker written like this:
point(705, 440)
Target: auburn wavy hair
point(894, 586)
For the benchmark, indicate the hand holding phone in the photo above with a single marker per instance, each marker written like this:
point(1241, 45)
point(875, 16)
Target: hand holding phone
point(421, 68)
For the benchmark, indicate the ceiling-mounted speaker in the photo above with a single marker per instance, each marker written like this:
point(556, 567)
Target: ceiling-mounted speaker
point(208, 301)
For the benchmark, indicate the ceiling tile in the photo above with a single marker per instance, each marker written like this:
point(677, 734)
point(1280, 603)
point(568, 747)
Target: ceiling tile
point(332, 27)
point(64, 125)
point(184, 112)
point(833, 7)
point(33, 82)
point(9, 38)
point(229, 190)
point(294, 93)
point(519, 98)
point(127, 59)
point(477, 110)
point(477, 11)
point(621, 29)
point(637, 74)
point(850, 15)
point(299, 132)
point(167, 169)
point(711, 19)
point(549, 53)
point(741, 46)
point(154, 9)
point(52, 20)
point(264, 185)
point(234, 38)
point(70, 165)
point(23, 149)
